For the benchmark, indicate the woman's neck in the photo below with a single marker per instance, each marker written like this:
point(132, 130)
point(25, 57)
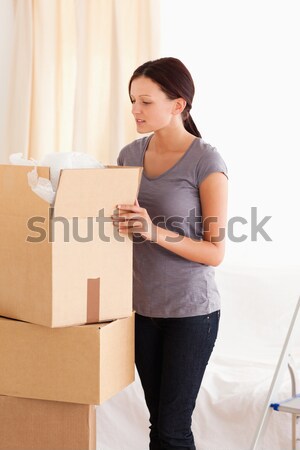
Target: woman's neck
point(171, 140)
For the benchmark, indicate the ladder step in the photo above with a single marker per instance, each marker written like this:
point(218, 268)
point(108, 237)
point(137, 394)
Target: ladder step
point(291, 405)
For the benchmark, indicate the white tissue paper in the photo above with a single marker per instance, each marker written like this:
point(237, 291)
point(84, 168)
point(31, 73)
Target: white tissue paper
point(41, 186)
point(67, 160)
point(44, 188)
point(17, 160)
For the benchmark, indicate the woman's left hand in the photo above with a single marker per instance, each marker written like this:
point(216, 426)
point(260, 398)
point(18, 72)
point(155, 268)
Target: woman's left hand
point(134, 219)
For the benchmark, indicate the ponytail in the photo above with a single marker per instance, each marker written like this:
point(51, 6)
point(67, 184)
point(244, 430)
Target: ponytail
point(190, 126)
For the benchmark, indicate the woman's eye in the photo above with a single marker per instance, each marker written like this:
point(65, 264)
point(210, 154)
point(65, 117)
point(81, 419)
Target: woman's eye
point(144, 103)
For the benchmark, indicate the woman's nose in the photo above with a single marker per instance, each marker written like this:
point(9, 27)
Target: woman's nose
point(135, 108)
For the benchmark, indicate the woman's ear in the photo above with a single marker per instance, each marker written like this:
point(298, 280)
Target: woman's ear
point(179, 105)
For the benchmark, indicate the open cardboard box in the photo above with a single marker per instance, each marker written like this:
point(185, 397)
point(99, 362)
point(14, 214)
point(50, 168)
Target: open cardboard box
point(81, 364)
point(27, 424)
point(65, 265)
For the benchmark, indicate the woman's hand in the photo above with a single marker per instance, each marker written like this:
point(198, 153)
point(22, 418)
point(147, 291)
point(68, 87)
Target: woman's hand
point(134, 219)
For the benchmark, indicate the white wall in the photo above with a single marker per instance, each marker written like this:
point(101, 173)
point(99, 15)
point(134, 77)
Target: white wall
point(243, 58)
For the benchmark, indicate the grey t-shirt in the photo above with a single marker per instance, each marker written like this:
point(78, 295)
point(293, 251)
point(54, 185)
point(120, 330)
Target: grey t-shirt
point(165, 284)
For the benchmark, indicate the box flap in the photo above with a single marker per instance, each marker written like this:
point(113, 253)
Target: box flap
point(16, 196)
point(85, 192)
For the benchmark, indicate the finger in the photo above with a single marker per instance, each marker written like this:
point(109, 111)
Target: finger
point(130, 224)
point(129, 216)
point(126, 218)
point(136, 202)
point(133, 208)
point(118, 218)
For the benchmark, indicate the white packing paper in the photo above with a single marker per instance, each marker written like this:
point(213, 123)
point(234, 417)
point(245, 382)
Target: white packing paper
point(44, 188)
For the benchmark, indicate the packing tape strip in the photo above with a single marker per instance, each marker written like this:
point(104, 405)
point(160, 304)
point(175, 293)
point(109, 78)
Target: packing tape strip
point(93, 300)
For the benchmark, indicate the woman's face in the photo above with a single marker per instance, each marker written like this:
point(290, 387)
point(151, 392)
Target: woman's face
point(151, 108)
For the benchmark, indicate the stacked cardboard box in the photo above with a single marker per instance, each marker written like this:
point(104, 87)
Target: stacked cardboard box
point(67, 325)
point(27, 424)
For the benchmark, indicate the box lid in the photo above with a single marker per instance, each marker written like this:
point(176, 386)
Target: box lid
point(84, 192)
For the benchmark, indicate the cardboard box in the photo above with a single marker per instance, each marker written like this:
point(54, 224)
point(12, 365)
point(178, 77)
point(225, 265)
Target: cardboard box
point(82, 364)
point(48, 275)
point(43, 425)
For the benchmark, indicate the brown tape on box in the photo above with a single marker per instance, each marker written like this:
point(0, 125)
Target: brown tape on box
point(93, 300)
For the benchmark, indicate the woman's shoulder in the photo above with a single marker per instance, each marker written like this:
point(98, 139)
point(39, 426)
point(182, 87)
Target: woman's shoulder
point(208, 159)
point(132, 153)
point(204, 148)
point(205, 151)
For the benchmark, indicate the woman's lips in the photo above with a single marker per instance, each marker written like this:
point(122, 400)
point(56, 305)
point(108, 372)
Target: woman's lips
point(139, 121)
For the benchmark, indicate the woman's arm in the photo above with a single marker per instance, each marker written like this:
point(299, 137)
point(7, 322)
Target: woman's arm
point(213, 193)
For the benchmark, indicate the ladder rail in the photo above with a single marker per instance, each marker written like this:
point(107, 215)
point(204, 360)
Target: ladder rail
point(275, 384)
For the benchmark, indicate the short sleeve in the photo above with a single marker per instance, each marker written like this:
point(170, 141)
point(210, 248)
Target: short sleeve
point(210, 162)
point(120, 159)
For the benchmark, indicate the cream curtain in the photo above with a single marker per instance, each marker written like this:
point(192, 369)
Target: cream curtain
point(66, 66)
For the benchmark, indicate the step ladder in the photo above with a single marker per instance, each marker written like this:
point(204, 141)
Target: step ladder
point(291, 405)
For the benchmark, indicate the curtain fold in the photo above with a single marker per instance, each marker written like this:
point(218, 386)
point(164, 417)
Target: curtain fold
point(16, 78)
point(68, 66)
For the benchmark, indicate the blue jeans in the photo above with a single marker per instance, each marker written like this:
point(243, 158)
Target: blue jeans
point(171, 356)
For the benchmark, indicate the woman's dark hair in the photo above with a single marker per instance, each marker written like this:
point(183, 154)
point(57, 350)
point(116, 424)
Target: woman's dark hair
point(175, 81)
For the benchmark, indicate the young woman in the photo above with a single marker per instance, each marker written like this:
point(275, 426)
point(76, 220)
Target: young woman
point(178, 227)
